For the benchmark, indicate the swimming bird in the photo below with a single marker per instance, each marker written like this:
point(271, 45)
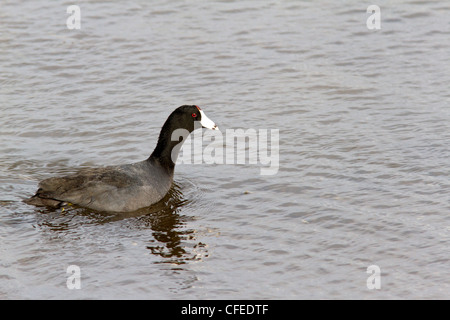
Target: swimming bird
point(128, 187)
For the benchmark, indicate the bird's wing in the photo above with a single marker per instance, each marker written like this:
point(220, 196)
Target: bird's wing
point(81, 188)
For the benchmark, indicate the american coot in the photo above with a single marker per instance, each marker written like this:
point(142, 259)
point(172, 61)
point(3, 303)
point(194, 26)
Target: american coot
point(131, 186)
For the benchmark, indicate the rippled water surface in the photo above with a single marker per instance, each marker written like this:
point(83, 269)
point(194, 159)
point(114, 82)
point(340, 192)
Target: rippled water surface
point(363, 119)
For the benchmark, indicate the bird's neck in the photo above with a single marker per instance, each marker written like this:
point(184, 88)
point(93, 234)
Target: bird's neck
point(169, 144)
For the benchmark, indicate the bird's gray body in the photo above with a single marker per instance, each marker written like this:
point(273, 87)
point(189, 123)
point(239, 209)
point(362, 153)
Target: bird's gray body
point(115, 189)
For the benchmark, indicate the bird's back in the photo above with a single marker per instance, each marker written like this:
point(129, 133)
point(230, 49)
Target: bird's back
point(115, 189)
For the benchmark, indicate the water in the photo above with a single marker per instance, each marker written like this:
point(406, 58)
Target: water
point(363, 178)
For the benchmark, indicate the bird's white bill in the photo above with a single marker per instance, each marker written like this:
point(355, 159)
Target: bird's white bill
point(207, 123)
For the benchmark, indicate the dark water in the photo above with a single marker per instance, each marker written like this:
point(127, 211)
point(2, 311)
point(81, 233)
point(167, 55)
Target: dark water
point(363, 119)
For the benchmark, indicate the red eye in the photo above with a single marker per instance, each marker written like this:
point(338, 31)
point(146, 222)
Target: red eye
point(194, 115)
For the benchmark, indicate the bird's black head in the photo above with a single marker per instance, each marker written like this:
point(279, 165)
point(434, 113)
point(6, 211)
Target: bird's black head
point(181, 122)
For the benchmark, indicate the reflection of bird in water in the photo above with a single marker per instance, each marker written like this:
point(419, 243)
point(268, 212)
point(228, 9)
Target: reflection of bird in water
point(166, 224)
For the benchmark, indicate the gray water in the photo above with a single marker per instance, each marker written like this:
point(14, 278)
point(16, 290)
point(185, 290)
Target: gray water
point(363, 117)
